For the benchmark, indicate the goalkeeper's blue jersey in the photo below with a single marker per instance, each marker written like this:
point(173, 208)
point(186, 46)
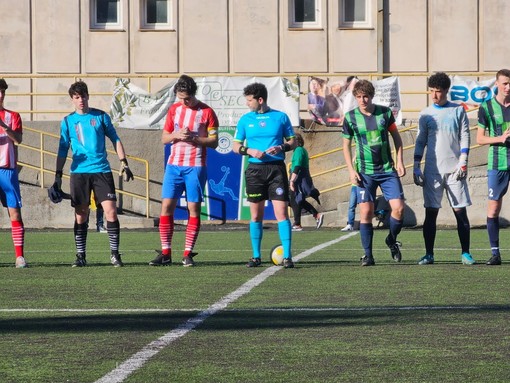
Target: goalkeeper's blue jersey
point(86, 134)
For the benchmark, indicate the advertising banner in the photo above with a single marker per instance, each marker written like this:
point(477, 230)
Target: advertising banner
point(330, 100)
point(470, 92)
point(134, 108)
point(225, 196)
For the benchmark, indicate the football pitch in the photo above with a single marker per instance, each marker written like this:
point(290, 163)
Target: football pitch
point(327, 320)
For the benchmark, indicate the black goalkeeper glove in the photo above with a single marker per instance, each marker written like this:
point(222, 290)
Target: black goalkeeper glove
point(55, 193)
point(125, 172)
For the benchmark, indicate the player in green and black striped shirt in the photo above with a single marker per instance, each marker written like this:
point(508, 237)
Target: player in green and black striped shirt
point(370, 125)
point(494, 118)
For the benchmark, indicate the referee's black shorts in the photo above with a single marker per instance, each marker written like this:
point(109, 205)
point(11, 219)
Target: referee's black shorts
point(267, 181)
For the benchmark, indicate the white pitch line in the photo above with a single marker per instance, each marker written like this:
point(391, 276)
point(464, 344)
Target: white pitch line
point(137, 360)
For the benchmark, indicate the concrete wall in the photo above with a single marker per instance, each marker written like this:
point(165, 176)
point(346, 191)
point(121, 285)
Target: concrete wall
point(54, 36)
point(413, 37)
point(147, 144)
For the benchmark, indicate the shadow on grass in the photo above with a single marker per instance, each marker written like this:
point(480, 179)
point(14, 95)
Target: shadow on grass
point(236, 320)
point(242, 263)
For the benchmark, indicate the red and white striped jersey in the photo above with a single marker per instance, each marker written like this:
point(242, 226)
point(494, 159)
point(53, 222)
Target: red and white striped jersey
point(201, 121)
point(7, 149)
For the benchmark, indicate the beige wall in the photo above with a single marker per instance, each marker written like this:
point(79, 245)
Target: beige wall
point(453, 42)
point(15, 37)
point(244, 37)
point(238, 36)
point(353, 50)
point(407, 18)
point(254, 35)
point(494, 32)
point(145, 58)
point(204, 40)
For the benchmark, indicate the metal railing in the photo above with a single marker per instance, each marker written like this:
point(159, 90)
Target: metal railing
point(33, 94)
point(334, 169)
point(46, 139)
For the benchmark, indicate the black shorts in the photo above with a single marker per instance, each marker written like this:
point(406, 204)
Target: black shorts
point(267, 181)
point(83, 183)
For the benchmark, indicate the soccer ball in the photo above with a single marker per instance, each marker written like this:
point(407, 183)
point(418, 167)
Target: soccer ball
point(277, 255)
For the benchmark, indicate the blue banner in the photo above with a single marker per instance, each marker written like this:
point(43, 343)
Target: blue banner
point(225, 196)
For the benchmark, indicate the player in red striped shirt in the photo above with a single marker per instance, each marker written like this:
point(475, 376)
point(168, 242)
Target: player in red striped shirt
point(11, 132)
point(191, 127)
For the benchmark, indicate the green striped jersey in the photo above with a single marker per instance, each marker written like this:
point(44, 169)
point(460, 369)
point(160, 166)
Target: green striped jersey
point(495, 118)
point(371, 135)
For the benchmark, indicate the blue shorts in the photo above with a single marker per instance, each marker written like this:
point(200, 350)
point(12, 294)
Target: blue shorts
point(184, 178)
point(389, 183)
point(10, 195)
point(497, 181)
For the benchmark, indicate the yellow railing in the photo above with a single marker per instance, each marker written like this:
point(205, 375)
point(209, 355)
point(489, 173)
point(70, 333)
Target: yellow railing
point(341, 167)
point(44, 168)
point(33, 91)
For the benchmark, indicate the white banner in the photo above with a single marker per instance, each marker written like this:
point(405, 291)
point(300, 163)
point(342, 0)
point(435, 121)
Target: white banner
point(329, 101)
point(132, 107)
point(471, 92)
point(387, 93)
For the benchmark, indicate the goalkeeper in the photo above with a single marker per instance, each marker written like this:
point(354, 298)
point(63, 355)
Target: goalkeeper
point(444, 131)
point(85, 131)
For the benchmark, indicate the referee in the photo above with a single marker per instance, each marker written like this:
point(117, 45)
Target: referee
point(264, 135)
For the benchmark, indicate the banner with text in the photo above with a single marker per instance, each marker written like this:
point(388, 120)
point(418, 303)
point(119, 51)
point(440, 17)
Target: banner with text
point(225, 196)
point(469, 92)
point(134, 108)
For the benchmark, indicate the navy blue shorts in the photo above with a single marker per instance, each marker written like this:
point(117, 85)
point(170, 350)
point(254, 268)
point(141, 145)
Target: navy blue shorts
point(389, 183)
point(497, 181)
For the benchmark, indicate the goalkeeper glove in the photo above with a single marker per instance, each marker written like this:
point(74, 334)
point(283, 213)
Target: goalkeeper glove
point(55, 193)
point(461, 169)
point(125, 171)
point(417, 174)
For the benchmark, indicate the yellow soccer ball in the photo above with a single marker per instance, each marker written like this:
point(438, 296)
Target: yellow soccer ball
point(277, 255)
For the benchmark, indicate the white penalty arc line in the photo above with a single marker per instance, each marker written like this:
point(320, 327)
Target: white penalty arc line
point(137, 360)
